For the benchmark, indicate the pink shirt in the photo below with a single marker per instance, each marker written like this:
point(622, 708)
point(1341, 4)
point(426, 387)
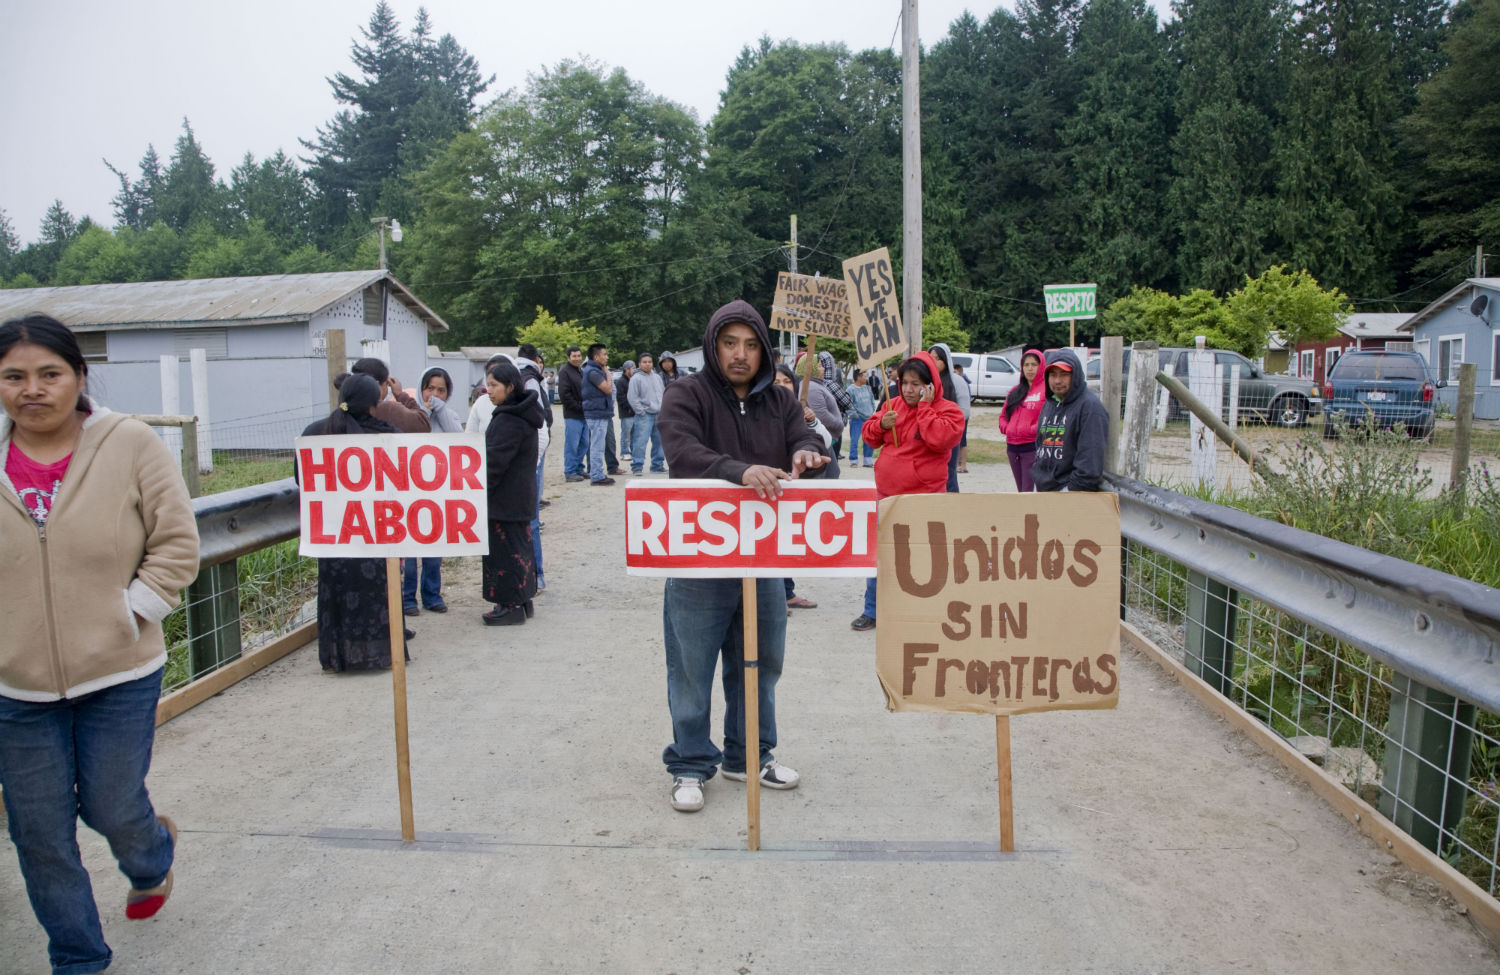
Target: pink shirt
point(36, 483)
point(1021, 427)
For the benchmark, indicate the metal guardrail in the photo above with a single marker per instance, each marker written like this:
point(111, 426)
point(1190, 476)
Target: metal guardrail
point(238, 522)
point(1439, 629)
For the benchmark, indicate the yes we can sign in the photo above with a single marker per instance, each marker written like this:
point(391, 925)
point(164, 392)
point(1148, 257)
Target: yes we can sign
point(392, 495)
point(714, 529)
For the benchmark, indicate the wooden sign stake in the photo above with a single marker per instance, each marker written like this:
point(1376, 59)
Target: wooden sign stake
point(1002, 763)
point(398, 681)
point(812, 363)
point(752, 716)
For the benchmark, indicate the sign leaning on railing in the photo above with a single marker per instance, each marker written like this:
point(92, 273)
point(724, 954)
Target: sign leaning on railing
point(393, 496)
point(999, 604)
point(714, 529)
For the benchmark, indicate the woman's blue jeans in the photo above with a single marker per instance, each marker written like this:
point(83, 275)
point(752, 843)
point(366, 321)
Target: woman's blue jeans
point(83, 758)
point(432, 582)
point(702, 621)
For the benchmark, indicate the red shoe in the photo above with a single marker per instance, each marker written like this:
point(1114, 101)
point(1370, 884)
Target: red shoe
point(141, 904)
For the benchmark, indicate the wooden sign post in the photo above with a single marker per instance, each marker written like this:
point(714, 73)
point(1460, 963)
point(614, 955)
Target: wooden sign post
point(392, 496)
point(716, 530)
point(999, 604)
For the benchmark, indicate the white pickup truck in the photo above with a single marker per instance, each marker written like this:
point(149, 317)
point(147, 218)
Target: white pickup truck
point(990, 374)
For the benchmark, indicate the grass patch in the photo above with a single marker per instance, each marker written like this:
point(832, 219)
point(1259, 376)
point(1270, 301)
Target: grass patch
point(232, 471)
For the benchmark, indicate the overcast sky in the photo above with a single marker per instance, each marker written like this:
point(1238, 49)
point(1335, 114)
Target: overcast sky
point(88, 80)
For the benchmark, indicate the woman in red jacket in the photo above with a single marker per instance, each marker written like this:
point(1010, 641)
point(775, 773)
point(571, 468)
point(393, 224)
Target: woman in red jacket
point(916, 436)
point(1019, 416)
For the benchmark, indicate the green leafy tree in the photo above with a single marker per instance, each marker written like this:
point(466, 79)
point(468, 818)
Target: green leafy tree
point(1451, 138)
point(940, 324)
point(97, 256)
point(553, 338)
point(253, 251)
point(1294, 304)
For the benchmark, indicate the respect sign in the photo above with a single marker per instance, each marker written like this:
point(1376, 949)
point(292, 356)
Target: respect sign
point(999, 604)
point(874, 308)
point(383, 495)
point(1069, 301)
point(811, 305)
point(714, 529)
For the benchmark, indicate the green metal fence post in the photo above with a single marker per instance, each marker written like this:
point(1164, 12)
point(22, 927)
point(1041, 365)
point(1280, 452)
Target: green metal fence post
point(213, 617)
point(1212, 614)
point(1429, 740)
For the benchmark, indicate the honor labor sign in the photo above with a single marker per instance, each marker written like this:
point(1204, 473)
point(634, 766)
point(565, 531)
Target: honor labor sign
point(714, 529)
point(392, 495)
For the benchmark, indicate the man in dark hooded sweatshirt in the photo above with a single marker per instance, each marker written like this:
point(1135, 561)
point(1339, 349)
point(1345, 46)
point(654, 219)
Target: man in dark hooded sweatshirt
point(729, 422)
point(1072, 431)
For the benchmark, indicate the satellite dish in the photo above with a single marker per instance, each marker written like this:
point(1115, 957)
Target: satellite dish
point(1478, 305)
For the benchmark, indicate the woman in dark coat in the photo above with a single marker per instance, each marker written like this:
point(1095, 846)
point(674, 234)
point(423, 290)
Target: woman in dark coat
point(353, 616)
point(510, 456)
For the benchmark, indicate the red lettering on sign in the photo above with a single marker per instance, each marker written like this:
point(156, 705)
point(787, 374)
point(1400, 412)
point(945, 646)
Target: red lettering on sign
point(312, 469)
point(461, 517)
point(355, 525)
point(434, 529)
point(388, 527)
point(315, 532)
point(390, 470)
point(464, 465)
point(353, 482)
point(440, 468)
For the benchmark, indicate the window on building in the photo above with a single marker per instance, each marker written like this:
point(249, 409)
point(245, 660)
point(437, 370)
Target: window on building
point(373, 305)
point(1495, 358)
point(1450, 356)
point(94, 345)
point(1305, 361)
point(213, 341)
point(1330, 356)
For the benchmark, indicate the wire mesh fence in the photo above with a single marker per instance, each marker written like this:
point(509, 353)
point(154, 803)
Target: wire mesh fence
point(1426, 760)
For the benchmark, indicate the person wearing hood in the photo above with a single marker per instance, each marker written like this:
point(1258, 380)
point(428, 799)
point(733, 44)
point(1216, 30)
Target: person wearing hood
point(1019, 416)
point(399, 408)
point(99, 539)
point(426, 574)
point(951, 393)
point(626, 411)
point(729, 422)
point(510, 447)
point(916, 435)
point(667, 366)
point(1071, 431)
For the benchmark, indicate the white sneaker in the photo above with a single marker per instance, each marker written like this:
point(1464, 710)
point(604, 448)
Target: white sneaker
point(687, 793)
point(773, 775)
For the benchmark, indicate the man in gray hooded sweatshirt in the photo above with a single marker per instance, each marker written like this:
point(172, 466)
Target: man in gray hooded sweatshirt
point(1072, 431)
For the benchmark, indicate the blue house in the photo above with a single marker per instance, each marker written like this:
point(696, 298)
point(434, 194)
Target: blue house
point(1463, 326)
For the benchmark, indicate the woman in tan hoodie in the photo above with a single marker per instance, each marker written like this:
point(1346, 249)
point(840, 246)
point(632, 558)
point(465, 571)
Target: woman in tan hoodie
point(99, 538)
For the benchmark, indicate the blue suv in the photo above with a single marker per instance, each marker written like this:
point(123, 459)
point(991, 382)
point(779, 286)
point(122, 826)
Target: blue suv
point(1380, 389)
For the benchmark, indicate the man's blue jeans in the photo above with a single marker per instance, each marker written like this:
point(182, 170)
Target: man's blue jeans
point(702, 620)
point(870, 597)
point(575, 446)
point(536, 523)
point(86, 758)
point(855, 427)
point(598, 430)
point(647, 433)
point(431, 573)
point(627, 435)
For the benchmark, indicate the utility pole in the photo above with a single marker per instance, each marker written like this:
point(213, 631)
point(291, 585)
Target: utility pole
point(911, 166)
point(381, 223)
point(789, 339)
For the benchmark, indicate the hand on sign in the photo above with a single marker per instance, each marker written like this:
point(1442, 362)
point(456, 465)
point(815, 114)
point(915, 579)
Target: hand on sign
point(888, 420)
point(807, 460)
point(765, 480)
point(808, 414)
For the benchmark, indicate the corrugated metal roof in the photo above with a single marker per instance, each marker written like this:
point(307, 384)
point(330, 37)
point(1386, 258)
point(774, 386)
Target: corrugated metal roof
point(205, 301)
point(1374, 325)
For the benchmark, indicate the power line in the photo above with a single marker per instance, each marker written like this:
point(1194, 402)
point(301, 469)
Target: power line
point(662, 297)
point(588, 270)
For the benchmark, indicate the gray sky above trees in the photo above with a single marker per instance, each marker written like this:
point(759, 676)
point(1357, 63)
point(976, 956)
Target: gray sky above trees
point(87, 80)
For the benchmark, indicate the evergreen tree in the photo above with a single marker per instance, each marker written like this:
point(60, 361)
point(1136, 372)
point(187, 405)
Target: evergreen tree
point(1222, 196)
point(189, 193)
point(274, 192)
point(1452, 138)
point(1119, 150)
point(135, 204)
point(10, 244)
point(412, 96)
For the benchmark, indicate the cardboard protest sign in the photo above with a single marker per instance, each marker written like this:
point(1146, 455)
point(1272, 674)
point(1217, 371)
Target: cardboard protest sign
point(392, 495)
point(714, 529)
point(999, 604)
point(874, 308)
point(811, 305)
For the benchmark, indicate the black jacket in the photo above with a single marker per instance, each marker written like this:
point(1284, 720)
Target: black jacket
point(1070, 435)
point(709, 432)
point(510, 456)
point(570, 391)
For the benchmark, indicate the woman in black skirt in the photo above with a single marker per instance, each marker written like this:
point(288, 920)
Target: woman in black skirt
point(510, 452)
point(353, 616)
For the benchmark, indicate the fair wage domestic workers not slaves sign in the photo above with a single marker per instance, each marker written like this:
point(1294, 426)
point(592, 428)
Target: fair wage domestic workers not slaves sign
point(811, 305)
point(874, 308)
point(999, 604)
point(393, 495)
point(714, 529)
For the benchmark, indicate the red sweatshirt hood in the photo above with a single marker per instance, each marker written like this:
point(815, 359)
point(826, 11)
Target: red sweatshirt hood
point(927, 359)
